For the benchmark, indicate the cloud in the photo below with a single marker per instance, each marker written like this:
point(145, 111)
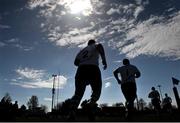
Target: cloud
point(117, 61)
point(107, 81)
point(17, 43)
point(107, 84)
point(68, 33)
point(30, 73)
point(31, 78)
point(157, 39)
point(36, 3)
point(76, 37)
point(156, 36)
point(142, 2)
point(108, 78)
point(2, 44)
point(71, 6)
point(41, 83)
point(138, 10)
point(24, 48)
point(13, 40)
point(77, 31)
point(83, 6)
point(119, 25)
point(112, 11)
point(4, 26)
point(47, 99)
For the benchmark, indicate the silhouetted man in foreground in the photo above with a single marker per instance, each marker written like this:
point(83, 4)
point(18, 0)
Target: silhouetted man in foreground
point(128, 74)
point(155, 99)
point(88, 73)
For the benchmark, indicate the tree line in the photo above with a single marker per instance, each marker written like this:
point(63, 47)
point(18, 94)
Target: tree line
point(9, 109)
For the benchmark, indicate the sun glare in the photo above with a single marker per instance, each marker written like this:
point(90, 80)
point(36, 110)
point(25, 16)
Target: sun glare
point(80, 6)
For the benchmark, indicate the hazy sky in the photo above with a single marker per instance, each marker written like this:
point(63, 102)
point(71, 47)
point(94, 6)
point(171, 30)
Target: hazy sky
point(39, 38)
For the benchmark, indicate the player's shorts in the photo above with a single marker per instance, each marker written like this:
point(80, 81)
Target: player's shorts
point(129, 90)
point(88, 73)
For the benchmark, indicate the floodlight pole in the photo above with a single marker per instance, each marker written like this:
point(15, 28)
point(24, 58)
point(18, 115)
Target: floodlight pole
point(176, 97)
point(137, 100)
point(159, 86)
point(58, 86)
point(53, 91)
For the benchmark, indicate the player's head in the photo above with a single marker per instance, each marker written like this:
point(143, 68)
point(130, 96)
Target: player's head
point(92, 41)
point(166, 94)
point(126, 62)
point(153, 88)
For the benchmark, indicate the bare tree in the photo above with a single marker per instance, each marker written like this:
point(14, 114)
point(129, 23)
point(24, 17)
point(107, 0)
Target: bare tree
point(23, 108)
point(150, 106)
point(33, 102)
point(44, 108)
point(103, 105)
point(58, 106)
point(6, 99)
point(120, 104)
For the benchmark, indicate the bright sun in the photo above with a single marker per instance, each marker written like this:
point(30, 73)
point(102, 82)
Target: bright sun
point(80, 6)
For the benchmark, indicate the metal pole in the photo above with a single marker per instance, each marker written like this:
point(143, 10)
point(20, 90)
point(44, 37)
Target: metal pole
point(160, 92)
point(53, 91)
point(58, 88)
point(137, 102)
point(176, 97)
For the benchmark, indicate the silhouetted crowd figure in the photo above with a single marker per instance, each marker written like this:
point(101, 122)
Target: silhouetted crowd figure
point(8, 110)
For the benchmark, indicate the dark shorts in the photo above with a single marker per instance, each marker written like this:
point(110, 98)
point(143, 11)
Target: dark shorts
point(156, 103)
point(129, 91)
point(88, 73)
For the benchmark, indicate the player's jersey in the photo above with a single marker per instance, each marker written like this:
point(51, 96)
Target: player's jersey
point(128, 73)
point(89, 55)
point(154, 94)
point(167, 100)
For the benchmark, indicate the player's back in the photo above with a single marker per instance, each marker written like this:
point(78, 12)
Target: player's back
point(89, 55)
point(154, 94)
point(128, 73)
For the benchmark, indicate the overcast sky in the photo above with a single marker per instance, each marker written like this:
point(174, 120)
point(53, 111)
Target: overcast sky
point(39, 38)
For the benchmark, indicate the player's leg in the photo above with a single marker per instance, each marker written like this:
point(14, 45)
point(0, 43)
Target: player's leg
point(129, 92)
point(132, 94)
point(96, 85)
point(80, 87)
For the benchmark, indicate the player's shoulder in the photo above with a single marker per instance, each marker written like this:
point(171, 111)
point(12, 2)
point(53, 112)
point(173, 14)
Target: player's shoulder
point(121, 68)
point(133, 66)
point(84, 48)
point(98, 45)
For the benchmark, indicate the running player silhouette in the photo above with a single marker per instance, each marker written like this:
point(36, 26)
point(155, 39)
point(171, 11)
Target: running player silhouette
point(128, 74)
point(155, 99)
point(88, 73)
